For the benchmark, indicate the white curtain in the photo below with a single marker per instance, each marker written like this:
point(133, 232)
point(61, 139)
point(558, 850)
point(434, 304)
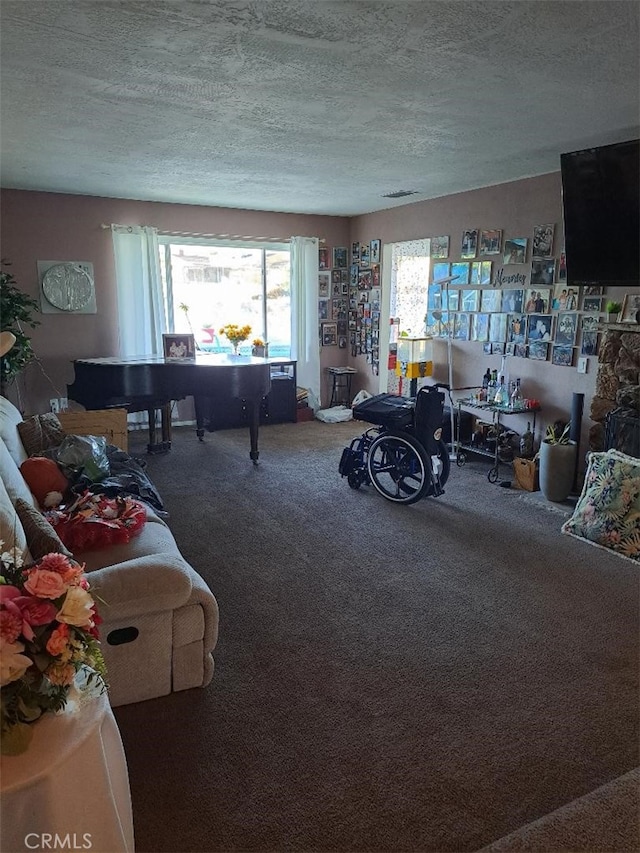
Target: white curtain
point(305, 345)
point(141, 316)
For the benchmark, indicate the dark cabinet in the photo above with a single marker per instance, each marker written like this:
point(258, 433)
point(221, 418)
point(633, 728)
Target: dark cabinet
point(279, 406)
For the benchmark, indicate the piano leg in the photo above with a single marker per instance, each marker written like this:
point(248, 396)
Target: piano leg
point(253, 414)
point(165, 418)
point(197, 405)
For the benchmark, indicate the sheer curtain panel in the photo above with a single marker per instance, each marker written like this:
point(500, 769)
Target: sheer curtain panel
point(305, 348)
point(141, 316)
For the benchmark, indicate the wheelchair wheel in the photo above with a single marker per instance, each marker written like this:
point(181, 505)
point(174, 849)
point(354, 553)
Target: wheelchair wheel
point(398, 467)
point(442, 466)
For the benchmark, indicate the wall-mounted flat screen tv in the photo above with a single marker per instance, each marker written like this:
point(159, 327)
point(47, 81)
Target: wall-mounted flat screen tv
point(601, 208)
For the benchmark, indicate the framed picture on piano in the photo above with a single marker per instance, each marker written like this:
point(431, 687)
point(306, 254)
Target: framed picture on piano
point(179, 346)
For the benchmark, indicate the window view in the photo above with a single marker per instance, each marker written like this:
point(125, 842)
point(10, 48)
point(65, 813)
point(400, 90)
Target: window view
point(207, 286)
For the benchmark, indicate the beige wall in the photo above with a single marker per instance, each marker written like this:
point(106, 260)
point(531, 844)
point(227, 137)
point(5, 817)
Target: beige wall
point(47, 226)
point(515, 208)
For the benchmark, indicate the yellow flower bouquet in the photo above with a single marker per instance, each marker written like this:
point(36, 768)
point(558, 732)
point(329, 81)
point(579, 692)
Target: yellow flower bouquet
point(236, 334)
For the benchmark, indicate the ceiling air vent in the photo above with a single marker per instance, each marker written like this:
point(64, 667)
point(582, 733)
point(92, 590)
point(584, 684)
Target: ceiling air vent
point(400, 194)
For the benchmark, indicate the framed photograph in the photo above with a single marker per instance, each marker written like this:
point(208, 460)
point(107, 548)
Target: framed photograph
point(498, 349)
point(537, 301)
point(562, 355)
point(491, 301)
point(454, 300)
point(592, 303)
point(353, 275)
point(490, 242)
point(515, 250)
point(498, 328)
point(324, 283)
point(486, 348)
point(516, 328)
point(543, 241)
point(469, 248)
point(520, 351)
point(543, 271)
point(539, 327)
point(355, 253)
point(461, 273)
point(512, 301)
point(461, 327)
point(630, 309)
point(178, 346)
point(434, 297)
point(566, 328)
point(470, 300)
point(440, 271)
point(439, 247)
point(374, 247)
point(562, 266)
point(593, 290)
point(589, 341)
point(329, 334)
point(323, 309)
point(365, 254)
point(589, 344)
point(479, 327)
point(323, 258)
point(485, 272)
point(340, 257)
point(510, 349)
point(539, 350)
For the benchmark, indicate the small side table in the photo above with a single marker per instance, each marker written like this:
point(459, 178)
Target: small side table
point(340, 385)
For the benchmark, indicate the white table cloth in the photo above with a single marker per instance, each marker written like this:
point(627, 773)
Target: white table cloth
point(71, 782)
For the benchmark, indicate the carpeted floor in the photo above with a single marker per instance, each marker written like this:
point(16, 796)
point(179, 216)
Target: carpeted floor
point(424, 678)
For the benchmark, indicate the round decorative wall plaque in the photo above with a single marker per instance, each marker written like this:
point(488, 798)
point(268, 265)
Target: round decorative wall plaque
point(67, 287)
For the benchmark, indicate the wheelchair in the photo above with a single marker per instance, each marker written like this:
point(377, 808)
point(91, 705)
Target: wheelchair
point(403, 456)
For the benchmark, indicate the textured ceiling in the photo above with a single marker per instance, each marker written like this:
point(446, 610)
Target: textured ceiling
point(307, 106)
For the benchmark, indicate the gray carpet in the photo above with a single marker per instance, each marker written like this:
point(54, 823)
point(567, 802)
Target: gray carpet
point(424, 678)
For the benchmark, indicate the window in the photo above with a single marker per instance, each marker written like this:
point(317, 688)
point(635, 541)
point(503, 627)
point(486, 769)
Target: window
point(242, 283)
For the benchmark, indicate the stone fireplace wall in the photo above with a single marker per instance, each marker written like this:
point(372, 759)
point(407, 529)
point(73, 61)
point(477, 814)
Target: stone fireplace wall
point(617, 382)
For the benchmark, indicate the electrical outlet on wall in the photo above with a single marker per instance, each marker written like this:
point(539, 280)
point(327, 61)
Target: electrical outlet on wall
point(582, 365)
point(54, 405)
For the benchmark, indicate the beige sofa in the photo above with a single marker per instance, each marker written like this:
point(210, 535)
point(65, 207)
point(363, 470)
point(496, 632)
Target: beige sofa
point(160, 618)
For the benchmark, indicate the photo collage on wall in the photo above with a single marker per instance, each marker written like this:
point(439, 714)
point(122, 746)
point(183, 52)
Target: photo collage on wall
point(349, 289)
point(529, 312)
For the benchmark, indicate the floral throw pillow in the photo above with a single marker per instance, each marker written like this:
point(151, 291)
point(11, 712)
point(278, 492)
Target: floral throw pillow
point(608, 510)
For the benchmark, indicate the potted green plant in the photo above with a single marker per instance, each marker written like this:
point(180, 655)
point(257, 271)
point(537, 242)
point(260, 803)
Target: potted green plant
point(613, 309)
point(17, 310)
point(557, 456)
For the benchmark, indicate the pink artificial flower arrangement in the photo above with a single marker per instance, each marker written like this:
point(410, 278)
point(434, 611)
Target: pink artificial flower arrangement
point(48, 632)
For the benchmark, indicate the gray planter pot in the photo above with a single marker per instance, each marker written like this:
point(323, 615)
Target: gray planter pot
point(557, 468)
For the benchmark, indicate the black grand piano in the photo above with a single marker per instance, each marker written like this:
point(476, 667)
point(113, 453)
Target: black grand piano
point(150, 383)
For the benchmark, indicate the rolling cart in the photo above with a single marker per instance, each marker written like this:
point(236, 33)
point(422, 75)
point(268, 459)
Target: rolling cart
point(497, 412)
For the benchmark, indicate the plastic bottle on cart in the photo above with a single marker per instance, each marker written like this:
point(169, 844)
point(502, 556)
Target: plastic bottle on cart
point(486, 379)
point(526, 442)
